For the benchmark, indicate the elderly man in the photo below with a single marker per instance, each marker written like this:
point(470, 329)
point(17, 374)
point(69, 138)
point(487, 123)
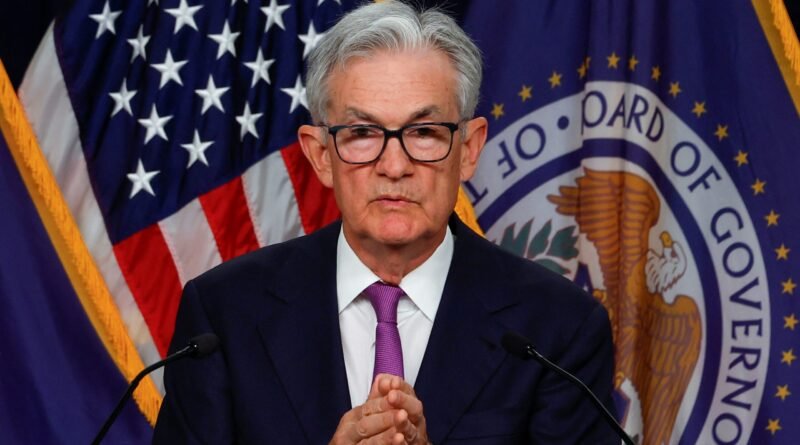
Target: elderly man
point(385, 328)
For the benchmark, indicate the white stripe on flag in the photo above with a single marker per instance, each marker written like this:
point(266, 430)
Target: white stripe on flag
point(271, 201)
point(190, 240)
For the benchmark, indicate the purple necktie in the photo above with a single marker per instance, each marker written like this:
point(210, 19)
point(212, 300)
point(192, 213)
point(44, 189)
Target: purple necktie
point(388, 351)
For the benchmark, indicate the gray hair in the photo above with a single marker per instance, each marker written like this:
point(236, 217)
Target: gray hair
point(395, 26)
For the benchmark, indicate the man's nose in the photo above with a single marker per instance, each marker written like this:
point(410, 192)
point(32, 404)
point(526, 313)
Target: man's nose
point(394, 161)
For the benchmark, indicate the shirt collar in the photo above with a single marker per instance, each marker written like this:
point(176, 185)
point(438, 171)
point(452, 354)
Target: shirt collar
point(423, 285)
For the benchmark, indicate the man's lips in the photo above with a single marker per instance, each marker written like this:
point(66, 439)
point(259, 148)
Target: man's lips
point(393, 200)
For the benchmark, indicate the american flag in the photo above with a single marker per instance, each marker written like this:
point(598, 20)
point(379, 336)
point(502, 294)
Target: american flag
point(170, 127)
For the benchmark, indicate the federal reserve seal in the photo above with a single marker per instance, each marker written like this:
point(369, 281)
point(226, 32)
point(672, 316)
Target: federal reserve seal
point(610, 188)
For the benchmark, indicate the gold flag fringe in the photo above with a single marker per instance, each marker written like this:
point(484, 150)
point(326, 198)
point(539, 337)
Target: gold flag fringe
point(783, 41)
point(466, 213)
point(78, 263)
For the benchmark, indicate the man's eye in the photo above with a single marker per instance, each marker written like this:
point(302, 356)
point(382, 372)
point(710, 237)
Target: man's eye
point(362, 132)
point(423, 132)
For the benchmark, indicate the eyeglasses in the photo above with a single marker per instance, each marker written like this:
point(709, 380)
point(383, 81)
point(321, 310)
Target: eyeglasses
point(364, 144)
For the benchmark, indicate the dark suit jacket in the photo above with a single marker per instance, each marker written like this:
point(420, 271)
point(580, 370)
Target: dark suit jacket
point(279, 376)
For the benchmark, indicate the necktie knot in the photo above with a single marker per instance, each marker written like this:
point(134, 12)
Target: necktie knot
point(384, 299)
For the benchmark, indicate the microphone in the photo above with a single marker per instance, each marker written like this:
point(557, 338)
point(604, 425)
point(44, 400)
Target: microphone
point(520, 346)
point(198, 347)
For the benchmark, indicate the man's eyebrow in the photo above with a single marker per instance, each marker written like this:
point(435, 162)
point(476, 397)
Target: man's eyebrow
point(425, 112)
point(359, 114)
point(419, 114)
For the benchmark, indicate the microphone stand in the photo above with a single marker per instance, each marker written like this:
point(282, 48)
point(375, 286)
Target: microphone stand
point(198, 346)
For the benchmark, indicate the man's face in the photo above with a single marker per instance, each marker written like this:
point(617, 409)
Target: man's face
point(396, 201)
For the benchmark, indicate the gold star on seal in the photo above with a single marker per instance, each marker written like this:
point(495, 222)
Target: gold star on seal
point(782, 252)
point(722, 132)
point(582, 70)
point(788, 286)
point(772, 218)
point(632, 62)
point(783, 392)
point(740, 158)
point(587, 61)
point(655, 73)
point(699, 109)
point(555, 80)
point(758, 186)
point(525, 92)
point(774, 425)
point(790, 322)
point(674, 89)
point(497, 111)
point(613, 60)
point(788, 357)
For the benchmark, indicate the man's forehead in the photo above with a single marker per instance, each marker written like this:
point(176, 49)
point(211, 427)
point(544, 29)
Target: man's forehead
point(393, 87)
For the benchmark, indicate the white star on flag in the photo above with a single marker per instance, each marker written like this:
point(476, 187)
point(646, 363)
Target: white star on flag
point(225, 40)
point(310, 39)
point(155, 125)
point(184, 15)
point(138, 45)
point(274, 13)
point(105, 20)
point(211, 96)
point(122, 99)
point(248, 122)
point(197, 150)
point(169, 69)
point(260, 68)
point(298, 94)
point(141, 180)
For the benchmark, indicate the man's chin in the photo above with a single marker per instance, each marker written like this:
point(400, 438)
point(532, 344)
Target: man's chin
point(396, 238)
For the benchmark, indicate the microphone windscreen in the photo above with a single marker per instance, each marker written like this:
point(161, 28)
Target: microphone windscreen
point(516, 344)
point(205, 344)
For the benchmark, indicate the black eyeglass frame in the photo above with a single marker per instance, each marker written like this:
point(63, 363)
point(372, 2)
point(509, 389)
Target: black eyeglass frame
point(388, 134)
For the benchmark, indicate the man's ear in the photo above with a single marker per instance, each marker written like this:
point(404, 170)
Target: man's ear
point(312, 141)
point(472, 145)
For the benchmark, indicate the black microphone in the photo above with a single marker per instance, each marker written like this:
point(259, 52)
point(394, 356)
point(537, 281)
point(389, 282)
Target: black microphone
point(198, 347)
point(522, 348)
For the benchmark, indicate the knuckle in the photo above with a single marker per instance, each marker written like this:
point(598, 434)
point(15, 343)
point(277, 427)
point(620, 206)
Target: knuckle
point(361, 429)
point(367, 409)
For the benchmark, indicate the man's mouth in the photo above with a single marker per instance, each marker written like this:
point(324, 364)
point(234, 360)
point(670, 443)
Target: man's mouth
point(393, 200)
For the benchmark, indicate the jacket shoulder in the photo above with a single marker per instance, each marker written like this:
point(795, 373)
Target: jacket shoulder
point(268, 263)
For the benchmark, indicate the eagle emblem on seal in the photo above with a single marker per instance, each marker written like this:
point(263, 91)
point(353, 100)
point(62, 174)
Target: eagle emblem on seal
point(657, 343)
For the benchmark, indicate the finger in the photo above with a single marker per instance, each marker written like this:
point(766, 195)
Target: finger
point(367, 428)
point(374, 390)
point(405, 427)
point(388, 437)
point(375, 406)
point(388, 382)
point(401, 400)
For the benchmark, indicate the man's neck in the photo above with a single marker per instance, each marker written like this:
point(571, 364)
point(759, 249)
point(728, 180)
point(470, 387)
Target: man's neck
point(392, 262)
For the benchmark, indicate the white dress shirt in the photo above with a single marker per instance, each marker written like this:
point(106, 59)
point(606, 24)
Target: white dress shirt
point(415, 313)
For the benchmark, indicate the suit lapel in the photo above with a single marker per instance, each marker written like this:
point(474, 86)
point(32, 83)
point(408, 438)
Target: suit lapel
point(464, 347)
point(302, 337)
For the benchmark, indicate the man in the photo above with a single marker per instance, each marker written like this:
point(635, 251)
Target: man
point(392, 92)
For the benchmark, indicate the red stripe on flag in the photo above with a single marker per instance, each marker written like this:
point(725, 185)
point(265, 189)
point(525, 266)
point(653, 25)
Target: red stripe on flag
point(148, 268)
point(229, 218)
point(315, 202)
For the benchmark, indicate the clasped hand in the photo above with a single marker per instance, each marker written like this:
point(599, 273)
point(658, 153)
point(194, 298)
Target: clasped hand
point(392, 415)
